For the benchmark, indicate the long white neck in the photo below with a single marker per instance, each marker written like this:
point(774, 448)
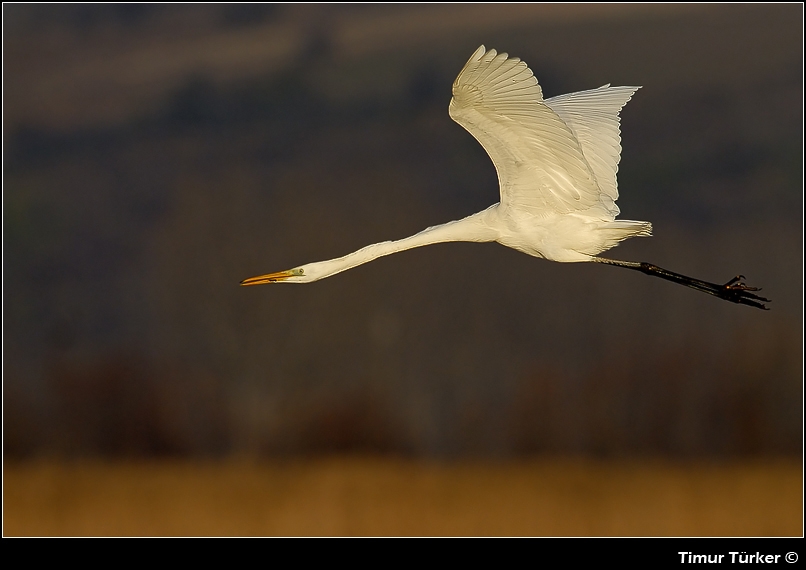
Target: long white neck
point(472, 228)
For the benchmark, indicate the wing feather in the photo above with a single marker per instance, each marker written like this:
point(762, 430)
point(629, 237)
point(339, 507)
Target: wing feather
point(541, 166)
point(593, 117)
point(550, 155)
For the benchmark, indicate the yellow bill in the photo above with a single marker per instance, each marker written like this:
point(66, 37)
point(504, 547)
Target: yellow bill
point(268, 278)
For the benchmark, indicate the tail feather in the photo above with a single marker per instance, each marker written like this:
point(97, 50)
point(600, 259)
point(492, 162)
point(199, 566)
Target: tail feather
point(619, 230)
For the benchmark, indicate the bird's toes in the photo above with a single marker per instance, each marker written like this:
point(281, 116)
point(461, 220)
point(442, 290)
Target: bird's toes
point(737, 291)
point(738, 284)
point(738, 279)
point(743, 287)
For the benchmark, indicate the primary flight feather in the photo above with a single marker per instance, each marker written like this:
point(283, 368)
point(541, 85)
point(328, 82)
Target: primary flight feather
point(556, 161)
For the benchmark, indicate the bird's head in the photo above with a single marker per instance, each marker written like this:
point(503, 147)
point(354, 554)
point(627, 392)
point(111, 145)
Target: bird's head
point(302, 274)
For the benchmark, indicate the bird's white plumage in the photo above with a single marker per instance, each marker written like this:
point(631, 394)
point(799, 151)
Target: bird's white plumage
point(552, 156)
point(593, 118)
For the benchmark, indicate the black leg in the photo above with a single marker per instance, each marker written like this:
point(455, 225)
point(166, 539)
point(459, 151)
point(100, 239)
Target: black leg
point(734, 290)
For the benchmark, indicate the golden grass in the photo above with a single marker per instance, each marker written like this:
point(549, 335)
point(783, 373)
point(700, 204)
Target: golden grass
point(388, 496)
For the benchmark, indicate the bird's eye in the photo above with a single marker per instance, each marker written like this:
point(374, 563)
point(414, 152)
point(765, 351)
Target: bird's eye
point(301, 271)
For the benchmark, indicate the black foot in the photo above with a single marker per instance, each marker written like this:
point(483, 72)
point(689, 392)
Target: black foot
point(737, 291)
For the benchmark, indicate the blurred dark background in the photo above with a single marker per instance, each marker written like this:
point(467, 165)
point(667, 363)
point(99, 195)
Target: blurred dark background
point(155, 155)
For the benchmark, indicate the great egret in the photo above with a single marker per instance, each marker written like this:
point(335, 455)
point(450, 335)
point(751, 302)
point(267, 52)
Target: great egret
point(556, 161)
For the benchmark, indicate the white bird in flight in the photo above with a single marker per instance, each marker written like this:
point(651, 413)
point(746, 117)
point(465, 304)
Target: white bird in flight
point(556, 161)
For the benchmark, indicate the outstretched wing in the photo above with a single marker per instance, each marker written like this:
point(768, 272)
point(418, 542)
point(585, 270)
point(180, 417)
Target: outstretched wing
point(541, 166)
point(593, 118)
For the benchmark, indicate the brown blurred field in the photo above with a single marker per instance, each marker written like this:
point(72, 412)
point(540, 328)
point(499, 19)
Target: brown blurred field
point(156, 155)
point(347, 496)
